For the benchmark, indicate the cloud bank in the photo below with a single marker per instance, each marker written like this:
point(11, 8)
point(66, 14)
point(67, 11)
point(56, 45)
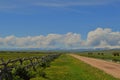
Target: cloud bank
point(99, 38)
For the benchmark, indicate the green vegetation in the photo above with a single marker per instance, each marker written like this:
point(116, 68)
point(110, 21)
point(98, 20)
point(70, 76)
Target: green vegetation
point(63, 68)
point(69, 68)
point(106, 55)
point(15, 69)
point(13, 55)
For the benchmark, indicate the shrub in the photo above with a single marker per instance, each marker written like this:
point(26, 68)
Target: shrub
point(115, 53)
point(22, 74)
point(90, 53)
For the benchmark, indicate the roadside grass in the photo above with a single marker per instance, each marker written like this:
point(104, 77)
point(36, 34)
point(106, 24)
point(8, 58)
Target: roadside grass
point(69, 68)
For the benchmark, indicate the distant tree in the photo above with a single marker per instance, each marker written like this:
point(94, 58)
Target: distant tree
point(102, 53)
point(98, 53)
point(115, 53)
point(90, 53)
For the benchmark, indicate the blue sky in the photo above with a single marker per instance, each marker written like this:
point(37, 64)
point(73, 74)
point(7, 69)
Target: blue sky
point(23, 18)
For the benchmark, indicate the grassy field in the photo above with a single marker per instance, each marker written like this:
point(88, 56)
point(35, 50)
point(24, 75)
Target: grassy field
point(107, 55)
point(63, 68)
point(14, 55)
point(69, 68)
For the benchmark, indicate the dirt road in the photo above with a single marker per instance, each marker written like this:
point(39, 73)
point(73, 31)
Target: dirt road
point(108, 67)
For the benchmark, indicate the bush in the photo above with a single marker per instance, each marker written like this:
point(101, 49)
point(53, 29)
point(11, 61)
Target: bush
point(6, 75)
point(20, 73)
point(42, 73)
point(115, 53)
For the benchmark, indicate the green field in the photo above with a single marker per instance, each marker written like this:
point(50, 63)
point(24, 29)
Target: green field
point(69, 68)
point(63, 68)
point(14, 55)
point(107, 55)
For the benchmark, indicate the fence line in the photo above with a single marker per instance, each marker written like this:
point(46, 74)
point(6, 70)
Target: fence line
point(7, 67)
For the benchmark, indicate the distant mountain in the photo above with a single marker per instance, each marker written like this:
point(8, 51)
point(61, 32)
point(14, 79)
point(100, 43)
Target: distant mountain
point(56, 49)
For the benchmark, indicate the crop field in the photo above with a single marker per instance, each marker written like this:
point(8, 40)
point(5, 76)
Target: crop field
point(6, 55)
point(53, 66)
point(106, 55)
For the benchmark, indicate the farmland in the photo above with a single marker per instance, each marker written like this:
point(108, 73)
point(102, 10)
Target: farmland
point(106, 55)
point(64, 67)
point(6, 55)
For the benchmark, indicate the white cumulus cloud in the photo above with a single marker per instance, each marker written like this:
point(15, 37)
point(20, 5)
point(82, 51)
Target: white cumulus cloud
point(68, 40)
point(99, 38)
point(103, 38)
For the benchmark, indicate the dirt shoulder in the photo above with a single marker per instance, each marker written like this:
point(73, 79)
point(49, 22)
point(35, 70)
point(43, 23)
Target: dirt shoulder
point(108, 67)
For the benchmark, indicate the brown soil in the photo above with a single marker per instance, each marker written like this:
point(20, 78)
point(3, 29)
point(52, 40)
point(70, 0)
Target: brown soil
point(108, 67)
